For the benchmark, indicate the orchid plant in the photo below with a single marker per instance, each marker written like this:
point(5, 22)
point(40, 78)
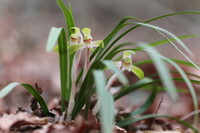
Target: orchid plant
point(79, 85)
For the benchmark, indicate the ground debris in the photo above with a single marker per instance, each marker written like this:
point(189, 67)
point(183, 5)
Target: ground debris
point(15, 121)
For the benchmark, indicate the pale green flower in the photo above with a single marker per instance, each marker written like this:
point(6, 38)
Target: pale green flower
point(76, 37)
point(86, 43)
point(126, 65)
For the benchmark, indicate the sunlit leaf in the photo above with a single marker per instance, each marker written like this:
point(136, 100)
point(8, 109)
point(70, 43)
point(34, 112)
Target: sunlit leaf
point(53, 38)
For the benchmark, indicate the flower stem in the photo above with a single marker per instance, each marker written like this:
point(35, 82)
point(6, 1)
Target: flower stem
point(87, 63)
point(76, 62)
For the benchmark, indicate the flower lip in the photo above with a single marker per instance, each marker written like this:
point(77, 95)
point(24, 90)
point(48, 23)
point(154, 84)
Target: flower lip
point(126, 64)
point(87, 41)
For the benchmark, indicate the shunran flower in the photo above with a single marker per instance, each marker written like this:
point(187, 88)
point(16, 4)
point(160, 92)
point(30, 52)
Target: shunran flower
point(87, 42)
point(76, 37)
point(126, 65)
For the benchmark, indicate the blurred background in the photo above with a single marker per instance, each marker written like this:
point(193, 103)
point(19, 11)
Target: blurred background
point(25, 24)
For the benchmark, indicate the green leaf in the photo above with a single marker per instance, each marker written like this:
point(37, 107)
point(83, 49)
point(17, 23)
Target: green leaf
point(137, 26)
point(189, 74)
point(68, 16)
point(118, 73)
point(185, 78)
point(127, 122)
point(64, 61)
point(184, 63)
point(181, 62)
point(163, 71)
point(125, 90)
point(147, 104)
point(53, 38)
point(107, 104)
point(117, 50)
point(189, 84)
point(31, 90)
point(137, 71)
point(177, 40)
point(106, 41)
point(161, 88)
point(86, 88)
point(170, 34)
point(58, 35)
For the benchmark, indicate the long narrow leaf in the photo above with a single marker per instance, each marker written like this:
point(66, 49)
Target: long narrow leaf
point(117, 50)
point(57, 35)
point(187, 81)
point(31, 90)
point(150, 20)
point(181, 62)
point(106, 41)
point(125, 90)
point(163, 71)
point(68, 16)
point(107, 103)
point(177, 40)
point(53, 38)
point(64, 68)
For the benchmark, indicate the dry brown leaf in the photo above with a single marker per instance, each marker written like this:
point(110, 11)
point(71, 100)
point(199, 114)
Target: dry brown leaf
point(20, 119)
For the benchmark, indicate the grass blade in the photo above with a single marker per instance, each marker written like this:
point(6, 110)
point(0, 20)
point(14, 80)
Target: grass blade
point(117, 50)
point(58, 35)
point(64, 68)
point(31, 90)
point(181, 62)
point(107, 103)
point(68, 16)
point(162, 70)
point(177, 40)
point(106, 41)
point(125, 90)
point(150, 20)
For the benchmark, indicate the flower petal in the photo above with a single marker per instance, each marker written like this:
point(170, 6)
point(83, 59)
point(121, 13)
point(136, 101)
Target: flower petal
point(137, 71)
point(76, 30)
point(87, 34)
point(118, 64)
point(74, 48)
point(98, 43)
point(91, 49)
point(127, 54)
